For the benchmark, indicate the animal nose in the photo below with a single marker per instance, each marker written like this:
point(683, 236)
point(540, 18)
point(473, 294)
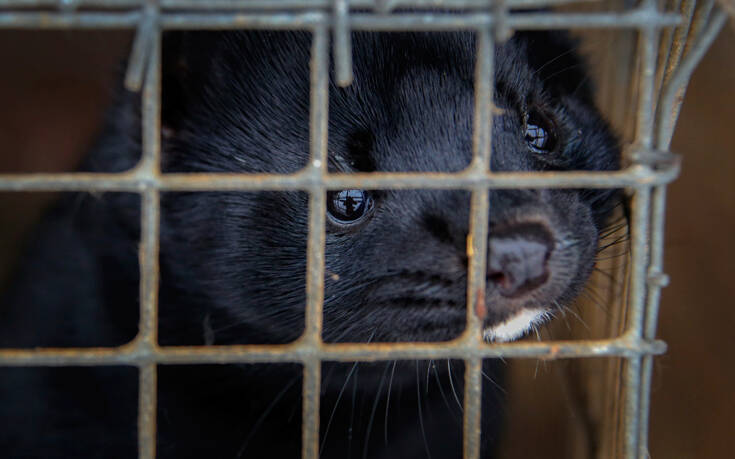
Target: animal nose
point(518, 258)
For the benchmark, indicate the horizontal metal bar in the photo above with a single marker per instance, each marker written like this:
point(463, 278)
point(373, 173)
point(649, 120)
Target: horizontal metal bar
point(434, 21)
point(53, 20)
point(523, 21)
point(636, 175)
point(77, 3)
point(134, 354)
point(279, 4)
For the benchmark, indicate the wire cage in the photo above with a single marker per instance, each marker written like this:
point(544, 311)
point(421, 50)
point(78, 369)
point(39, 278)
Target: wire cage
point(642, 80)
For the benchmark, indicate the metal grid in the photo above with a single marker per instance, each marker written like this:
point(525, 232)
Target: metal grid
point(651, 168)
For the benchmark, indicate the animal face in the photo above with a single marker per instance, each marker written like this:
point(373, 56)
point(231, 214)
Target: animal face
point(395, 259)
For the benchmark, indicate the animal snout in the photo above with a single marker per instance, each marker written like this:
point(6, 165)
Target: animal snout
point(518, 258)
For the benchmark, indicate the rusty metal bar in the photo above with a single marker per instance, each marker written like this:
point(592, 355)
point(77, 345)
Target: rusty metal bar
point(134, 181)
point(484, 106)
point(342, 43)
point(266, 5)
point(477, 238)
point(54, 20)
point(139, 55)
point(639, 256)
point(472, 412)
point(648, 38)
point(312, 337)
point(673, 92)
point(131, 354)
point(673, 96)
point(147, 402)
point(656, 279)
point(648, 46)
point(149, 270)
point(317, 168)
point(672, 45)
point(149, 243)
point(357, 21)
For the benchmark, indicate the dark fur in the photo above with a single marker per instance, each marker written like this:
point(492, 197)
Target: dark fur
point(233, 264)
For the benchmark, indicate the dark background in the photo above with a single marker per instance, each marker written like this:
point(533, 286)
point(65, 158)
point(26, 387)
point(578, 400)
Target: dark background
point(54, 89)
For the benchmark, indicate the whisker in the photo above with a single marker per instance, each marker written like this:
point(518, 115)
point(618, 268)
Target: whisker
point(373, 411)
point(387, 403)
point(421, 414)
point(264, 415)
point(454, 391)
point(352, 414)
point(441, 391)
point(428, 370)
point(575, 314)
point(552, 60)
point(494, 383)
point(336, 404)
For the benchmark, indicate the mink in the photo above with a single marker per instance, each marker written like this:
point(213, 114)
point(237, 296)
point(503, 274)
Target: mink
point(233, 264)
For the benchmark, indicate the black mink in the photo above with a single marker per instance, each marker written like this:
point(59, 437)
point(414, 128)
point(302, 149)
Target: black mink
point(233, 263)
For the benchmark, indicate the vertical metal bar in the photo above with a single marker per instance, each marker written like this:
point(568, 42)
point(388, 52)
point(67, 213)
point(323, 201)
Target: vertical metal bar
point(482, 121)
point(342, 43)
point(656, 280)
point(319, 105)
point(645, 400)
point(317, 199)
point(477, 240)
point(149, 246)
point(147, 382)
point(639, 246)
point(310, 409)
point(141, 48)
point(150, 167)
point(648, 43)
point(648, 37)
point(673, 93)
point(476, 312)
point(632, 382)
point(472, 435)
point(148, 323)
point(677, 39)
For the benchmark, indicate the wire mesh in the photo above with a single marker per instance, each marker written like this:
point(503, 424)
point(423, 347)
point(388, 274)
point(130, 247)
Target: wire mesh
point(665, 65)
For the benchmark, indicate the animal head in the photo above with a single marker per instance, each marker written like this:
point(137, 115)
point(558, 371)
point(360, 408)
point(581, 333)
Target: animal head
point(396, 265)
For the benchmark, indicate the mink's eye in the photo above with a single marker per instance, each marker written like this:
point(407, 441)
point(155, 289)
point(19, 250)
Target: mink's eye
point(540, 133)
point(347, 207)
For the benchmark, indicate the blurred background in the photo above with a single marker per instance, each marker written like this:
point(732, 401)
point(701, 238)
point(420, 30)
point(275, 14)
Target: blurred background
point(55, 87)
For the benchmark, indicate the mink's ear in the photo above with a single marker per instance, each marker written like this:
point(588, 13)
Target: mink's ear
point(554, 56)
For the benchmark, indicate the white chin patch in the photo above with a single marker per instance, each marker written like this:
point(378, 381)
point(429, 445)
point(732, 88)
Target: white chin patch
point(516, 325)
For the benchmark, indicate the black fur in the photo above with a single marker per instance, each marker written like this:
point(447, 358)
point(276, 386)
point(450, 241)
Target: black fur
point(233, 264)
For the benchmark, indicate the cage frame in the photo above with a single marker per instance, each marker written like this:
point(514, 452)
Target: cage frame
point(651, 169)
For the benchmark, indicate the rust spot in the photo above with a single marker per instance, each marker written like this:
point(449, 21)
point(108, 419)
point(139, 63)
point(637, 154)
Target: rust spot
point(480, 308)
point(333, 276)
point(553, 351)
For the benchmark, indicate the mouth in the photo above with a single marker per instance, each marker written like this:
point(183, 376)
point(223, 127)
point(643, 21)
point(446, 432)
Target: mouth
point(516, 325)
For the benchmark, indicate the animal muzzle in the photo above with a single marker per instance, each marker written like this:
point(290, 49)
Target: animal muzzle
point(518, 256)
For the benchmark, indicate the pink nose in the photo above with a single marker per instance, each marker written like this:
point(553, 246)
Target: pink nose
point(517, 258)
